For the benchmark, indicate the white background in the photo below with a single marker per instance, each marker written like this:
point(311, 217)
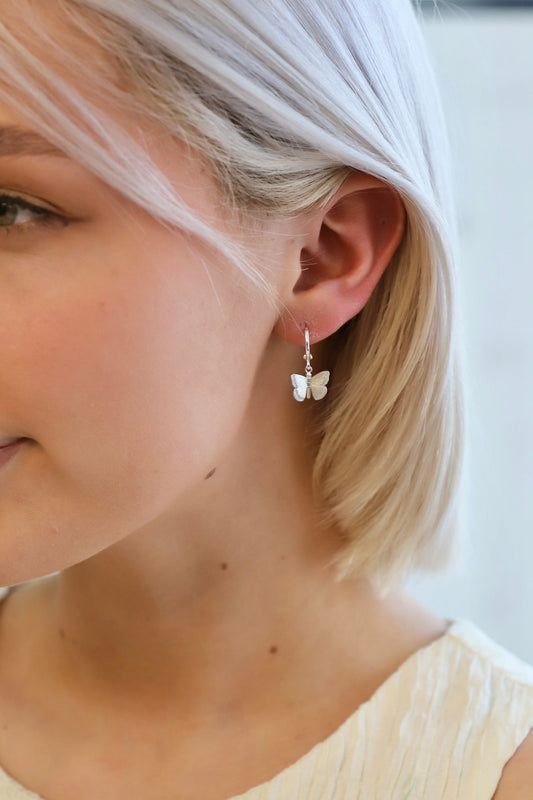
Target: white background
point(484, 63)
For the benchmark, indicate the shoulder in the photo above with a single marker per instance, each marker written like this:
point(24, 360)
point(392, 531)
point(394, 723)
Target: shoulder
point(505, 693)
point(516, 782)
point(496, 661)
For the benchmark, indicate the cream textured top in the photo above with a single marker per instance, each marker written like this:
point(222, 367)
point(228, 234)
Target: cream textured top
point(440, 728)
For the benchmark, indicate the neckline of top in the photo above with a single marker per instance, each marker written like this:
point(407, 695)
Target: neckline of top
point(456, 629)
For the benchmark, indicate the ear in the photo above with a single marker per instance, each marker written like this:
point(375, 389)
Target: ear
point(346, 247)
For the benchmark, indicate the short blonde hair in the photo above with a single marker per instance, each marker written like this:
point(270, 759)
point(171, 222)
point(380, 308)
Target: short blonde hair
point(285, 99)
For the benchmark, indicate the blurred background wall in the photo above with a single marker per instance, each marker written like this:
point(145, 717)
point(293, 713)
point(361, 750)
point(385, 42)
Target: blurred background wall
point(483, 56)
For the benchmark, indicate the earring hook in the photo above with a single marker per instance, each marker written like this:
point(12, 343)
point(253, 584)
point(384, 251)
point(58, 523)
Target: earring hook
point(307, 354)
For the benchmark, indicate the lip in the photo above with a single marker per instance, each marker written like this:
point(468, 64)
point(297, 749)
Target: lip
point(7, 440)
point(9, 450)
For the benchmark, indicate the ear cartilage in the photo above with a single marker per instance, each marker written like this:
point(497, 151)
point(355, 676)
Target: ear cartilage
point(309, 384)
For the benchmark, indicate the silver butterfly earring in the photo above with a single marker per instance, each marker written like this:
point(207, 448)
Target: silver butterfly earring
point(309, 384)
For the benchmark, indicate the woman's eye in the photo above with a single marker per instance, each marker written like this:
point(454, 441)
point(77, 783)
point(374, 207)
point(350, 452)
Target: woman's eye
point(16, 214)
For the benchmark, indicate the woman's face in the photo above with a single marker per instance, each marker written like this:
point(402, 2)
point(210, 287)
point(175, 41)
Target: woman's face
point(125, 364)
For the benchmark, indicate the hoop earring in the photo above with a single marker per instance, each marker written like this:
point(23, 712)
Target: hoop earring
point(309, 384)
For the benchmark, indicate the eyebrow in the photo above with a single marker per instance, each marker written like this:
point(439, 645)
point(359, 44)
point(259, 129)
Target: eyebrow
point(17, 141)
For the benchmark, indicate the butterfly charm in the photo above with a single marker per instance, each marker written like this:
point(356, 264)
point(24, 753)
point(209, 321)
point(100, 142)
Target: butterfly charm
point(305, 386)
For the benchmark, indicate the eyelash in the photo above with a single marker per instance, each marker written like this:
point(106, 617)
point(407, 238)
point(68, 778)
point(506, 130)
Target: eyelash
point(46, 217)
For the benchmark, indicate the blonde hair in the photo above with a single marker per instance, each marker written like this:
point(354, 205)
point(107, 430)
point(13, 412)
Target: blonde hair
point(284, 99)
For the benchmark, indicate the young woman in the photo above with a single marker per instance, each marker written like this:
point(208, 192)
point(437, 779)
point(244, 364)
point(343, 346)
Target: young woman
point(230, 420)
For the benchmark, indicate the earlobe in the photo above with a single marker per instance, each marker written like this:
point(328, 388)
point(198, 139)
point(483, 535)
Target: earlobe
point(349, 244)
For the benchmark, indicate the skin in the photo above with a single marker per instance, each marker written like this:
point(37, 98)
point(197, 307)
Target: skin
point(195, 620)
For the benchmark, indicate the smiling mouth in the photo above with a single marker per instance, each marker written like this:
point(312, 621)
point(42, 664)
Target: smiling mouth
point(9, 451)
point(10, 442)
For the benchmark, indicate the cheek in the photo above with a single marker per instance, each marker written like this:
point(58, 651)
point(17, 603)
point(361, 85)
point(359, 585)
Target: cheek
point(128, 377)
point(127, 389)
